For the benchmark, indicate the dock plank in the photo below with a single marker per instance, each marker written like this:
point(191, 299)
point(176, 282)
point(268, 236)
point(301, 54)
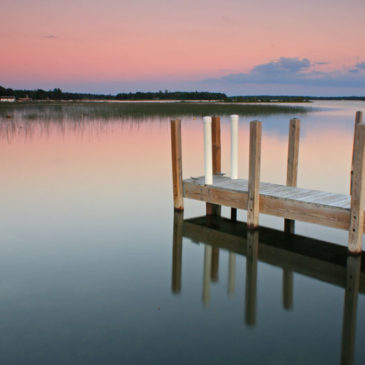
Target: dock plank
point(312, 206)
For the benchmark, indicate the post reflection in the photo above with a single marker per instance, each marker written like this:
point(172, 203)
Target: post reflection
point(177, 252)
point(288, 278)
point(288, 289)
point(251, 277)
point(206, 274)
point(350, 308)
point(231, 273)
point(313, 258)
point(215, 264)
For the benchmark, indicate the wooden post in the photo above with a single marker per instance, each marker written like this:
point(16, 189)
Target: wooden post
point(213, 209)
point(254, 175)
point(358, 121)
point(358, 192)
point(177, 252)
point(251, 277)
point(350, 307)
point(177, 164)
point(289, 224)
point(292, 165)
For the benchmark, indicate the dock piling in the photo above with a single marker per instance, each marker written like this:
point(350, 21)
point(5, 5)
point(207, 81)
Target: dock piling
point(292, 164)
point(358, 121)
point(177, 179)
point(254, 175)
point(213, 209)
point(358, 192)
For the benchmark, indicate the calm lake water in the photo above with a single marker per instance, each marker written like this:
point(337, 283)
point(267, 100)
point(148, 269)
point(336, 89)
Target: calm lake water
point(93, 272)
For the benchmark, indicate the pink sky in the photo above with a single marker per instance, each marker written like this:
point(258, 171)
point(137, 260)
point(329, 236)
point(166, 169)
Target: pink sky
point(114, 45)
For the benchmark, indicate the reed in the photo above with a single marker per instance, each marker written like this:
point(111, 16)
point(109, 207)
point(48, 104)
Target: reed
point(92, 111)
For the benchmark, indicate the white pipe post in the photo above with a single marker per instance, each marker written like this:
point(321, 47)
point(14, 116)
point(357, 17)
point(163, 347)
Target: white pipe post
point(234, 146)
point(208, 158)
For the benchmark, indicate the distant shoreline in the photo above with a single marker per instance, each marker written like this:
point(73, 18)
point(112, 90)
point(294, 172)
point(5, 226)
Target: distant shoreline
point(57, 95)
point(154, 101)
point(9, 95)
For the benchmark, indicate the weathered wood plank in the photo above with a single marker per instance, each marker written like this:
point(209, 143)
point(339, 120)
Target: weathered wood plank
point(358, 193)
point(176, 154)
point(280, 191)
point(253, 204)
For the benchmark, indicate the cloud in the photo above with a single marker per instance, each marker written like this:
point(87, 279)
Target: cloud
point(360, 66)
point(295, 71)
point(49, 36)
point(283, 66)
point(321, 63)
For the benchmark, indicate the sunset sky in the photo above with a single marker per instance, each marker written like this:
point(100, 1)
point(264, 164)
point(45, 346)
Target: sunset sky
point(312, 47)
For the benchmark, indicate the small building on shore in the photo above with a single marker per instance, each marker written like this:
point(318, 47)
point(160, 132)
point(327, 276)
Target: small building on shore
point(7, 99)
point(25, 99)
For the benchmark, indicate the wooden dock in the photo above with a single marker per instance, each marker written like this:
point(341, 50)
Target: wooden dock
point(287, 201)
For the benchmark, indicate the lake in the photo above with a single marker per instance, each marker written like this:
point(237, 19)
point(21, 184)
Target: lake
point(92, 270)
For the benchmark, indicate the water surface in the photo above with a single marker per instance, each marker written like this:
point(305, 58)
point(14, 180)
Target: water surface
point(87, 255)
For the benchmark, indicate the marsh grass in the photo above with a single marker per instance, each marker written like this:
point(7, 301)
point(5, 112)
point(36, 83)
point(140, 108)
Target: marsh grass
point(113, 111)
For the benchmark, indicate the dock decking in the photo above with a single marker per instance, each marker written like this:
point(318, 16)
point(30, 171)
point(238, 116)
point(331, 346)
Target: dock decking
point(313, 206)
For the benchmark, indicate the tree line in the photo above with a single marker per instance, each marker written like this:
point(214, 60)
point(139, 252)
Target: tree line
point(58, 94)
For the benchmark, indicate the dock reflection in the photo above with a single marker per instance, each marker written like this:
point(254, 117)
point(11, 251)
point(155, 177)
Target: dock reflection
point(317, 259)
